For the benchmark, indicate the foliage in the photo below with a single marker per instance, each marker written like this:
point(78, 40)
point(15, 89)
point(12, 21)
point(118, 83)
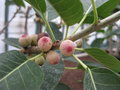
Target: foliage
point(19, 71)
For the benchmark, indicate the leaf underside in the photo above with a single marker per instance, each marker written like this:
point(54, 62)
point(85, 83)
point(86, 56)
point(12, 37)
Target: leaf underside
point(104, 79)
point(18, 73)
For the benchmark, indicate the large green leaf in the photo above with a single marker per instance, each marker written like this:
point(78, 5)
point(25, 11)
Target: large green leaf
point(107, 8)
point(13, 42)
point(104, 58)
point(52, 14)
point(62, 86)
point(56, 32)
point(52, 75)
point(71, 11)
point(18, 73)
point(104, 8)
point(39, 5)
point(104, 79)
point(19, 2)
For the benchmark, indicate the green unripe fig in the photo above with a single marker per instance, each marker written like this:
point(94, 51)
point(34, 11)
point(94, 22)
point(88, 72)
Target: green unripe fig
point(34, 39)
point(40, 60)
point(24, 40)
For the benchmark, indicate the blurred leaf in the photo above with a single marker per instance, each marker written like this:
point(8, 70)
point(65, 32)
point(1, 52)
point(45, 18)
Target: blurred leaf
point(90, 64)
point(70, 58)
point(71, 11)
point(90, 18)
point(12, 42)
point(87, 3)
point(97, 42)
point(9, 3)
point(100, 31)
point(103, 78)
point(52, 14)
point(111, 33)
point(56, 32)
point(85, 44)
point(61, 86)
point(19, 2)
point(104, 58)
point(52, 75)
point(107, 8)
point(18, 73)
point(39, 5)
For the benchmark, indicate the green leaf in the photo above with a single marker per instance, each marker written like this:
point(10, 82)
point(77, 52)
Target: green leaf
point(71, 11)
point(85, 44)
point(100, 31)
point(62, 86)
point(52, 14)
point(90, 64)
point(13, 42)
point(97, 42)
point(70, 58)
point(56, 32)
point(52, 75)
point(104, 58)
point(39, 5)
point(18, 73)
point(19, 2)
point(109, 33)
point(107, 8)
point(104, 79)
point(87, 3)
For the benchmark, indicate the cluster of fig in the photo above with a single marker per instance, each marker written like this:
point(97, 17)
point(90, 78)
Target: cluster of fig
point(45, 45)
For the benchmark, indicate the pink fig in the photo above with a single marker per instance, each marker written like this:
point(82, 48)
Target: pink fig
point(67, 47)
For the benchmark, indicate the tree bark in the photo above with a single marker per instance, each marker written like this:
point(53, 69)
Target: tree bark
point(109, 20)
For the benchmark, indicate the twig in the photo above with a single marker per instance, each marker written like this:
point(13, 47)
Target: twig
point(2, 31)
point(95, 12)
point(26, 19)
point(82, 20)
point(111, 19)
point(30, 50)
point(66, 33)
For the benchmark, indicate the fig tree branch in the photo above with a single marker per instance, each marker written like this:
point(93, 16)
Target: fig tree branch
point(92, 28)
point(2, 30)
point(26, 19)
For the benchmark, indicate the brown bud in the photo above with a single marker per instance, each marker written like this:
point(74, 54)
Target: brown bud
point(42, 35)
point(56, 44)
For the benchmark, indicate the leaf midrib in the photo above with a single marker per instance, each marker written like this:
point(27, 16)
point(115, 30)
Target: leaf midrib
point(14, 70)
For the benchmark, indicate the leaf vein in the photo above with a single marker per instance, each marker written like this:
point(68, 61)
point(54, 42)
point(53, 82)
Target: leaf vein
point(22, 79)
